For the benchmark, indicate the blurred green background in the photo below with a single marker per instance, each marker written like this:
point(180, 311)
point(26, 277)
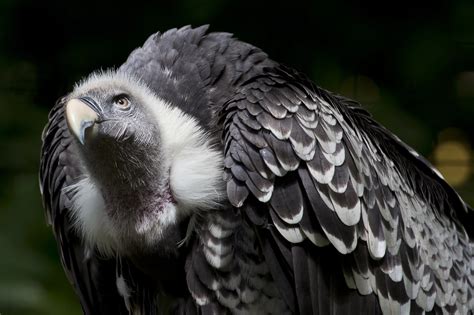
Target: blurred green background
point(412, 67)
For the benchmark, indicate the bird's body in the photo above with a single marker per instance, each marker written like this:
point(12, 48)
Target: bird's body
point(203, 177)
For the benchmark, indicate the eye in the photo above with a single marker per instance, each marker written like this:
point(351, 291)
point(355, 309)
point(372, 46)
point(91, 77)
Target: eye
point(122, 101)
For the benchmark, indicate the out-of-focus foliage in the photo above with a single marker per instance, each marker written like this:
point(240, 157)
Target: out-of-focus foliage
point(412, 67)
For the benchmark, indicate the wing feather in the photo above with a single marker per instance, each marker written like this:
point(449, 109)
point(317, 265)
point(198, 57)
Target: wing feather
point(328, 173)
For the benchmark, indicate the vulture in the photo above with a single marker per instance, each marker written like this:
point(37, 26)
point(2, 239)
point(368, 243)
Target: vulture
point(203, 177)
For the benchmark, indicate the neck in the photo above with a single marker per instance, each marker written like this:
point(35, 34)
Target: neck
point(135, 187)
point(130, 175)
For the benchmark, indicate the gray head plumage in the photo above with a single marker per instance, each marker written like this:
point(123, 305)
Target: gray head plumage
point(135, 147)
point(109, 114)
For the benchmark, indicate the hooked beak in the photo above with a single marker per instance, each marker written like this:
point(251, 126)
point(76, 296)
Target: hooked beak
point(81, 117)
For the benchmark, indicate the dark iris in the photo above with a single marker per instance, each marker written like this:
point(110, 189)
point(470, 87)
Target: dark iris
point(122, 101)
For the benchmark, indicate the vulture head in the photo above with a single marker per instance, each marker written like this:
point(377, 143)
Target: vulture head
point(120, 139)
point(147, 163)
point(118, 135)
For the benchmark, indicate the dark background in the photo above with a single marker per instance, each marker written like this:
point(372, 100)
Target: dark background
point(411, 65)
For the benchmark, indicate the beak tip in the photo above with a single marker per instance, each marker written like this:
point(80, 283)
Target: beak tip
point(81, 138)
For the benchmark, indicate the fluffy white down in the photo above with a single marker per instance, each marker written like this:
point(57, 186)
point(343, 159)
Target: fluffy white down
point(90, 218)
point(195, 167)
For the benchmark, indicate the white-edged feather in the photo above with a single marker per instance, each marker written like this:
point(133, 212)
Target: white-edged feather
point(316, 238)
point(292, 233)
point(124, 291)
